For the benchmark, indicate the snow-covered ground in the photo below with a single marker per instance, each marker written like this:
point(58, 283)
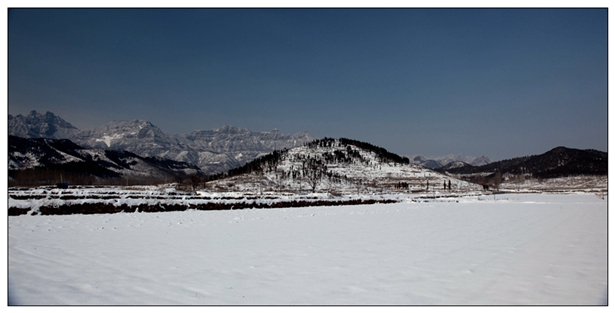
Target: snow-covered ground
point(519, 249)
point(591, 184)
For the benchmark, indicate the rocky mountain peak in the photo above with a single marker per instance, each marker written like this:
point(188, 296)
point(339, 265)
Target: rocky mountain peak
point(36, 125)
point(481, 160)
point(228, 129)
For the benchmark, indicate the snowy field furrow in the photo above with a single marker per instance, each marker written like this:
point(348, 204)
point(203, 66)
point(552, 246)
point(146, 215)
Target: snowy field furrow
point(519, 249)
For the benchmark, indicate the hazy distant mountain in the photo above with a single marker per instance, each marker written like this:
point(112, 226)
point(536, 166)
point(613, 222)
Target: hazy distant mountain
point(138, 136)
point(36, 125)
point(243, 145)
point(438, 162)
point(213, 151)
point(481, 160)
point(425, 162)
point(453, 165)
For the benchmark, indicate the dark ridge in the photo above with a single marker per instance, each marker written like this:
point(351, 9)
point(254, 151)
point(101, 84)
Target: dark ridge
point(557, 162)
point(53, 166)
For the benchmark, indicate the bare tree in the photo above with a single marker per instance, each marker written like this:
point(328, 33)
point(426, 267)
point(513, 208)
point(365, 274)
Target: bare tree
point(179, 178)
point(497, 179)
point(195, 181)
point(519, 180)
point(314, 172)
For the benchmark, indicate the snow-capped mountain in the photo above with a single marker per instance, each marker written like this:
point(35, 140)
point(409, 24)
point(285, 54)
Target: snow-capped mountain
point(425, 162)
point(335, 166)
point(476, 161)
point(479, 161)
point(54, 157)
point(213, 151)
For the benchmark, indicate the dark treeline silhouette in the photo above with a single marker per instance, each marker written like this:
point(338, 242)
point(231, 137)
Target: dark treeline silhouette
point(383, 154)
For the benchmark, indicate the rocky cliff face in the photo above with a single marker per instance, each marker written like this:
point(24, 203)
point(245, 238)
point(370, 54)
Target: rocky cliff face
point(136, 136)
point(214, 151)
point(243, 145)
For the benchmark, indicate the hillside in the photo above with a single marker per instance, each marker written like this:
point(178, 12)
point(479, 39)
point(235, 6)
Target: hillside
point(334, 166)
point(49, 161)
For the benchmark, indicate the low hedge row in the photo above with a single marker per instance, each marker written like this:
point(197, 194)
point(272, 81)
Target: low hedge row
point(108, 208)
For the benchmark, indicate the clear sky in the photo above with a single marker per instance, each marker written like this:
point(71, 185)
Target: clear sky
point(496, 82)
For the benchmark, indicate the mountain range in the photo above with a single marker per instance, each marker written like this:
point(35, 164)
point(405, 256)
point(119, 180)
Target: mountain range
point(336, 165)
point(228, 149)
point(213, 151)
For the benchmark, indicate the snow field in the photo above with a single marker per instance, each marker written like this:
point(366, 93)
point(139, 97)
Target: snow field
point(521, 249)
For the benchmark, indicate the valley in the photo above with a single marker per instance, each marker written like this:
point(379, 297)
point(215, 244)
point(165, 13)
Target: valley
point(269, 170)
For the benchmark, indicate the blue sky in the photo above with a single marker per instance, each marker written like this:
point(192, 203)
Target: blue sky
point(496, 82)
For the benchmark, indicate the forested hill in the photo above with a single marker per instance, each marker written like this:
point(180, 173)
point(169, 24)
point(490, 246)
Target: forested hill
point(332, 154)
point(336, 166)
point(383, 154)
